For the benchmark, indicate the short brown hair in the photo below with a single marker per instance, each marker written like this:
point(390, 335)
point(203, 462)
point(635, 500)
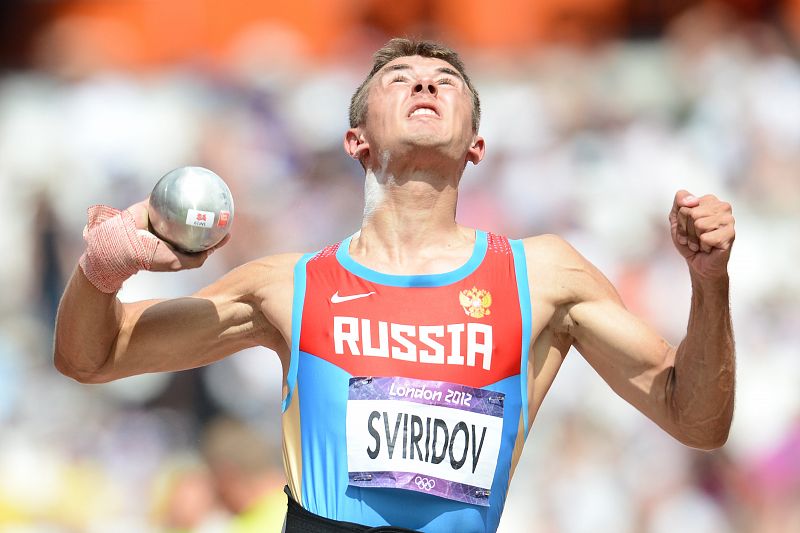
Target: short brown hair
point(399, 47)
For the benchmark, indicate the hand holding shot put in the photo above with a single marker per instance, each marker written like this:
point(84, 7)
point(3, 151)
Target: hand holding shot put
point(416, 352)
point(187, 216)
point(167, 257)
point(191, 211)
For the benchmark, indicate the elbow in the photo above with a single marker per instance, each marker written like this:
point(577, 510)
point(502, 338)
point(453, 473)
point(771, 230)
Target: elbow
point(702, 423)
point(706, 443)
point(706, 436)
point(720, 437)
point(87, 377)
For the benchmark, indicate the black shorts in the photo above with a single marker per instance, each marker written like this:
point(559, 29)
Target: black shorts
point(298, 520)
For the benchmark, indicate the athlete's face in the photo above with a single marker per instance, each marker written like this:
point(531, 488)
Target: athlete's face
point(418, 103)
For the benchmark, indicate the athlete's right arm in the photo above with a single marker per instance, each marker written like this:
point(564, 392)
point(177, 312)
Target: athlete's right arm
point(98, 338)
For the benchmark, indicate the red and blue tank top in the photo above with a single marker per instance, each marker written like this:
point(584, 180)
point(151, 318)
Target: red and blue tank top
point(407, 395)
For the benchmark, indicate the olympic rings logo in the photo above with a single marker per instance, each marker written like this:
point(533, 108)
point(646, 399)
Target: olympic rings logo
point(425, 483)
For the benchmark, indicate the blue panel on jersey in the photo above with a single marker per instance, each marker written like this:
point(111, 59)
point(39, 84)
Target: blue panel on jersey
point(323, 411)
point(423, 280)
point(521, 271)
point(298, 299)
point(325, 490)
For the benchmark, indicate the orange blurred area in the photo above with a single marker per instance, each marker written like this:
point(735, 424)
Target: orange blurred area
point(792, 16)
point(135, 34)
point(522, 24)
point(138, 32)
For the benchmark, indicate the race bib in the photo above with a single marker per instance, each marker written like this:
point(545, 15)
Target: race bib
point(427, 436)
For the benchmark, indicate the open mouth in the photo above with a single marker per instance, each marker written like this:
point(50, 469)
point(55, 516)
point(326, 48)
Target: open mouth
point(423, 111)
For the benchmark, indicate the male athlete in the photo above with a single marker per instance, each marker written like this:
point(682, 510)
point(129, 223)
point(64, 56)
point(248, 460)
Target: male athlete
point(415, 352)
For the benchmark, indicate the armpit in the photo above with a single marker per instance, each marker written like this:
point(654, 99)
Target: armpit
point(562, 322)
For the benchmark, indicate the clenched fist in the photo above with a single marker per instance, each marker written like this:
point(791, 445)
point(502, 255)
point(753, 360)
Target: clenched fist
point(702, 231)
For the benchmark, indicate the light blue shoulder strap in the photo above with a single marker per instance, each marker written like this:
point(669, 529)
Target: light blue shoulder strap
point(521, 271)
point(299, 296)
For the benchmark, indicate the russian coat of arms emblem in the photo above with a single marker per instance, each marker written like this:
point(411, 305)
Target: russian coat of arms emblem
point(475, 302)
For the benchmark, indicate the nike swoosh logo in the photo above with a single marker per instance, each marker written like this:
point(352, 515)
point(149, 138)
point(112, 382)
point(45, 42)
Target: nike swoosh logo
point(336, 299)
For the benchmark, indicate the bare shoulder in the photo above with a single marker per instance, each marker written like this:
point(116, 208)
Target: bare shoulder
point(273, 273)
point(549, 248)
point(551, 259)
point(274, 268)
point(251, 278)
point(557, 269)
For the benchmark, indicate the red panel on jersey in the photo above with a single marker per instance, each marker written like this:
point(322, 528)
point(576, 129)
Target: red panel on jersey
point(467, 332)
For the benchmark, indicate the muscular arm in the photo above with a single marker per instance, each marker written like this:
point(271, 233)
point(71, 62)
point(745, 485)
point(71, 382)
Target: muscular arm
point(99, 339)
point(687, 390)
point(701, 382)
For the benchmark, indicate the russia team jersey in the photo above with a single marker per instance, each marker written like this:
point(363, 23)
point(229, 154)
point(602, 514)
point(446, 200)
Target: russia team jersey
point(407, 397)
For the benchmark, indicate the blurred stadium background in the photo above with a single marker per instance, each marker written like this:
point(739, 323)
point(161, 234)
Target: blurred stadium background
point(595, 112)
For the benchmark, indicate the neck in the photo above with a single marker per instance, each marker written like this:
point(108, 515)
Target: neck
point(409, 212)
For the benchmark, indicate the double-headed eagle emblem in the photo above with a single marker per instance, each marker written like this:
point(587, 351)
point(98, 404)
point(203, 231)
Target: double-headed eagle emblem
point(475, 302)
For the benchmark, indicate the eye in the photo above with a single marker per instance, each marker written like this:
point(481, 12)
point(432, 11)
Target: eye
point(445, 81)
point(399, 77)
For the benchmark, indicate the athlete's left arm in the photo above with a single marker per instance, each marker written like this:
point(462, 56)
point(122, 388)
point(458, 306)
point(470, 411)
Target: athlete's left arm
point(688, 390)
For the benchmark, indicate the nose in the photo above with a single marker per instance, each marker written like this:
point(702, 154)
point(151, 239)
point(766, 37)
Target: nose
point(426, 86)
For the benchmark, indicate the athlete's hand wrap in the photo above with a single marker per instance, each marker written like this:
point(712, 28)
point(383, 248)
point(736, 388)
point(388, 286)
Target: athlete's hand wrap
point(115, 249)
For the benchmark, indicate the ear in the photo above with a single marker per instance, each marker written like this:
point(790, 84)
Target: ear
point(355, 144)
point(476, 150)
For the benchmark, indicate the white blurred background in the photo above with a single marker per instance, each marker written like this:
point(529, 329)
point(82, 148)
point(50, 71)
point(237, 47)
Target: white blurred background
point(595, 113)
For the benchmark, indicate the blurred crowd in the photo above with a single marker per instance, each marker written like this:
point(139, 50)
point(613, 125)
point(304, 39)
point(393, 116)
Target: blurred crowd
point(588, 139)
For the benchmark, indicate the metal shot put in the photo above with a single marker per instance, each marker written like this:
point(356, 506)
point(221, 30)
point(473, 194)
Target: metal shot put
point(191, 208)
point(416, 352)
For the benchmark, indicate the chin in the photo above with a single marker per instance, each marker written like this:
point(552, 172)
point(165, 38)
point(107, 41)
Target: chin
point(428, 153)
point(427, 148)
point(426, 139)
